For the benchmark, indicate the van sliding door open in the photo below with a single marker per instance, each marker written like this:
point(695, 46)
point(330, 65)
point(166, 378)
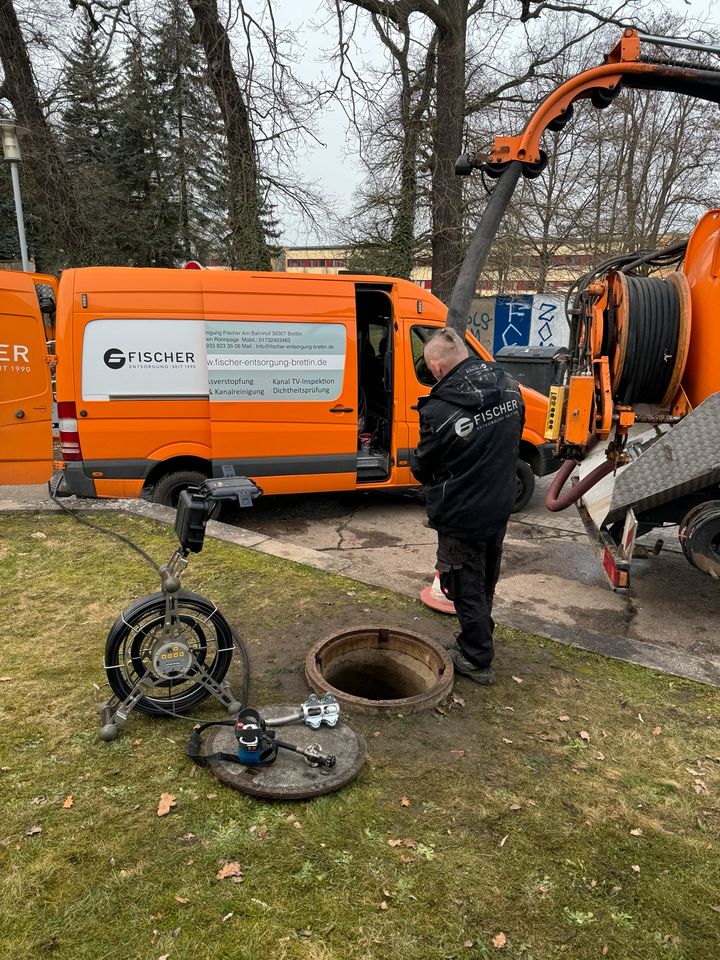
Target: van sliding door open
point(376, 359)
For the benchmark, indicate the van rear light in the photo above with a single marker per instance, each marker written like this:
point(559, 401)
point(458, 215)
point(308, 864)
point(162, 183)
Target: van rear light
point(69, 436)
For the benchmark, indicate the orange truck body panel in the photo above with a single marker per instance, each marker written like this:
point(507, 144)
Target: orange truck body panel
point(701, 377)
point(25, 386)
point(135, 419)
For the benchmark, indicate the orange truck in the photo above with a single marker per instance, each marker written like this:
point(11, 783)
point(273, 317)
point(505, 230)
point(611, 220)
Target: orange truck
point(165, 377)
point(637, 421)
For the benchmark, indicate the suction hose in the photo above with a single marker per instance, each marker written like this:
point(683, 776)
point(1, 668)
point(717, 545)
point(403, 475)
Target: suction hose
point(556, 501)
point(466, 283)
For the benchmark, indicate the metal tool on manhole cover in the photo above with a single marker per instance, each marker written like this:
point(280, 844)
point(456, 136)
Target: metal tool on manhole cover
point(297, 771)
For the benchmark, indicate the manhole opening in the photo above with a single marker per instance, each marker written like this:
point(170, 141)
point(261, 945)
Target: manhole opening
point(380, 675)
point(374, 669)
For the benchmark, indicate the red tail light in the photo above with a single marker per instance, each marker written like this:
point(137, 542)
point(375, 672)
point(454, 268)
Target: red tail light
point(69, 436)
point(619, 578)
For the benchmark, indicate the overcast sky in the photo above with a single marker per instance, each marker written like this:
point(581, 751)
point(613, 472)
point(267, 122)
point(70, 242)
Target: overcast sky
point(335, 167)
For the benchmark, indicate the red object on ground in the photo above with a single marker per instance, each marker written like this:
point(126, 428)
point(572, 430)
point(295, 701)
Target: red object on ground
point(434, 598)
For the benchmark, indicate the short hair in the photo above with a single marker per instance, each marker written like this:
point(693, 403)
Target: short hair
point(446, 346)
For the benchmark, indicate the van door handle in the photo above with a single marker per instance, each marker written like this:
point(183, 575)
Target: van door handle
point(339, 409)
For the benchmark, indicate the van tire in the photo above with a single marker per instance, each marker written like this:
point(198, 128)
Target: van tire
point(525, 486)
point(167, 489)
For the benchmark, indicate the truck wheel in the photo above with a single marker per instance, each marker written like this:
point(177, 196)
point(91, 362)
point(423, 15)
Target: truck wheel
point(699, 535)
point(525, 486)
point(167, 489)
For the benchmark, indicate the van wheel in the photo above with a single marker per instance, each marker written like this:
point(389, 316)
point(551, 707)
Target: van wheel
point(167, 489)
point(525, 479)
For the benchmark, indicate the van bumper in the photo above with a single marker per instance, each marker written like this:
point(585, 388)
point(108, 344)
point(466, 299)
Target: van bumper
point(548, 460)
point(72, 482)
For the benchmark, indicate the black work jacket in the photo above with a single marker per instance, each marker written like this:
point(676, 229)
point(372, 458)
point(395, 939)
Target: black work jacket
point(470, 427)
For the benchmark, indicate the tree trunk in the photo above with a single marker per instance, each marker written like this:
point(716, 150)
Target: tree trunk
point(447, 135)
point(402, 242)
point(248, 248)
point(55, 198)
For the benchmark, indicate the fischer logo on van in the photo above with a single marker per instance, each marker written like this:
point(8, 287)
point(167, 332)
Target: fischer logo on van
point(14, 353)
point(115, 359)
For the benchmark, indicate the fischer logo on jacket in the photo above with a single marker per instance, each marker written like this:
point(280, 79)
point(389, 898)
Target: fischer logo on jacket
point(470, 428)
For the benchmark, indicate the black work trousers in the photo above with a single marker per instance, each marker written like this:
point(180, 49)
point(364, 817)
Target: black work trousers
point(469, 571)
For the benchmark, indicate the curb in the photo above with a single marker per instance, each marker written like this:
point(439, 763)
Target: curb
point(665, 661)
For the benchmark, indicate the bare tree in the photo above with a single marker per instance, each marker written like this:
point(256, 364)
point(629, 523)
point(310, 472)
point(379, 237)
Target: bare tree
point(64, 220)
point(394, 105)
point(248, 245)
point(468, 34)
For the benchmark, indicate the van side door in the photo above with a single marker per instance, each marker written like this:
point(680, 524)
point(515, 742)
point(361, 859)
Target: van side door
point(25, 388)
point(282, 379)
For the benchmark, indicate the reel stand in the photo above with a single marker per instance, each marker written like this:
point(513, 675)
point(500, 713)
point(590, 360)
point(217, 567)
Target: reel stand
point(170, 651)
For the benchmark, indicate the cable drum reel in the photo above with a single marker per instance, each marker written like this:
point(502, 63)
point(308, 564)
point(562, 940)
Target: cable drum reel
point(171, 650)
point(645, 332)
point(630, 339)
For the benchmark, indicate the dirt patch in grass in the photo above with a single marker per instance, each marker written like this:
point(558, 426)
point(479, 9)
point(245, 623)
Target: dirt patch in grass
point(575, 812)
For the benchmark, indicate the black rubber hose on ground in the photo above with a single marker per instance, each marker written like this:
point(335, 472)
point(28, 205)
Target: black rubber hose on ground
point(555, 500)
point(466, 283)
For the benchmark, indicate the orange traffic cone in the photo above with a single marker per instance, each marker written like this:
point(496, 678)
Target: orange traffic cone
point(434, 598)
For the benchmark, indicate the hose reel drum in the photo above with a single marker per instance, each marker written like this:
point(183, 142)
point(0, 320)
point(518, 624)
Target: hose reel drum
point(645, 333)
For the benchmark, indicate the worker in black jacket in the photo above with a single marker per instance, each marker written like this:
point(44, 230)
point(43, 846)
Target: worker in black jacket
point(470, 427)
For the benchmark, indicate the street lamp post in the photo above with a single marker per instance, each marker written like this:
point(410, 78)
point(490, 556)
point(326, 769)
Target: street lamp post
point(11, 152)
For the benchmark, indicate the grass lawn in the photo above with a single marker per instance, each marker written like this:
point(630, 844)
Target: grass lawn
point(573, 814)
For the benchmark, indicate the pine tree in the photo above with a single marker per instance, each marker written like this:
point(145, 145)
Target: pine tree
point(89, 140)
point(148, 236)
point(9, 244)
point(190, 142)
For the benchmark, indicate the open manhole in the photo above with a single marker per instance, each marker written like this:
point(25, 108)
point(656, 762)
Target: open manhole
point(376, 669)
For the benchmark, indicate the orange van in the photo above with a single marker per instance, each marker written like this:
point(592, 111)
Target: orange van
point(305, 383)
point(26, 399)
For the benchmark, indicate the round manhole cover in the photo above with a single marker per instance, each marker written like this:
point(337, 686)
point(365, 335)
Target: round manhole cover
point(290, 777)
point(376, 669)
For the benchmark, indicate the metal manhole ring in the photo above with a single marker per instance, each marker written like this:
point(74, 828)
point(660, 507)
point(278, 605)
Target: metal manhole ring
point(410, 656)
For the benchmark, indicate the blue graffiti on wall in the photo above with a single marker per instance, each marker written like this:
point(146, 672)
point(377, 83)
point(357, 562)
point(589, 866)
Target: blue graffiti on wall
point(512, 321)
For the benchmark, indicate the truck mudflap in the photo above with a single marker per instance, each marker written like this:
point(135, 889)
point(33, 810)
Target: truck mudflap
point(616, 558)
point(71, 482)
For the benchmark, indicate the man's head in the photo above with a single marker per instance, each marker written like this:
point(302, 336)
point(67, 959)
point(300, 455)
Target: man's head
point(444, 351)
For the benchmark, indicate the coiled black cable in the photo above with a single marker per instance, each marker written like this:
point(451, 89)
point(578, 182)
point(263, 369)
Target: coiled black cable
point(242, 649)
point(653, 319)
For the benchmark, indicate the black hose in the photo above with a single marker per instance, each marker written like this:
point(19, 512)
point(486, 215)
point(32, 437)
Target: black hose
point(653, 318)
point(96, 526)
point(466, 283)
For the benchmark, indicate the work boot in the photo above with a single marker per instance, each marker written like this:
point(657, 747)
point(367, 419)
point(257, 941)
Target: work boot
point(447, 644)
point(485, 677)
